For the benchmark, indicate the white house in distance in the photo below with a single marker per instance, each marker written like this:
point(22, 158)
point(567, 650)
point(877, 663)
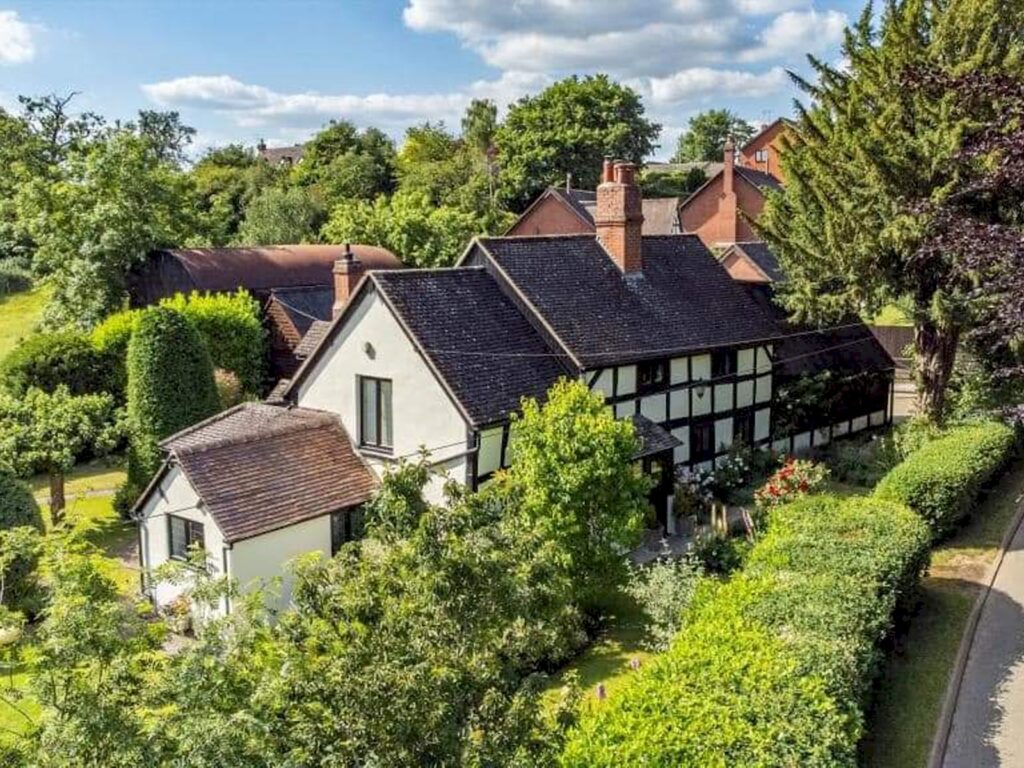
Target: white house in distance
point(438, 359)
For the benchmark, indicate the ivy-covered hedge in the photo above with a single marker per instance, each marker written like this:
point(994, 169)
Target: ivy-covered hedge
point(170, 387)
point(47, 360)
point(942, 480)
point(18, 508)
point(772, 667)
point(229, 325)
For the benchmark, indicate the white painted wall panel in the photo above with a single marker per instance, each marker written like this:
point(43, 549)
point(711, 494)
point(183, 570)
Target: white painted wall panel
point(679, 370)
point(723, 434)
point(681, 453)
point(744, 394)
point(723, 398)
point(764, 362)
point(627, 380)
point(653, 407)
point(679, 404)
point(254, 562)
point(489, 457)
point(764, 389)
point(603, 383)
point(745, 361)
point(701, 403)
point(701, 367)
point(625, 409)
point(762, 424)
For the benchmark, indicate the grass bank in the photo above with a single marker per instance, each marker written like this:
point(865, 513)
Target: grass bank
point(910, 690)
point(20, 313)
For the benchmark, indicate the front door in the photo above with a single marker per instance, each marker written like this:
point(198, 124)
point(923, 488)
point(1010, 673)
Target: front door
point(659, 469)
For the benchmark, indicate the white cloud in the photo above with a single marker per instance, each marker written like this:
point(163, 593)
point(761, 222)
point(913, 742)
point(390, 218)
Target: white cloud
point(795, 33)
point(699, 83)
point(17, 39)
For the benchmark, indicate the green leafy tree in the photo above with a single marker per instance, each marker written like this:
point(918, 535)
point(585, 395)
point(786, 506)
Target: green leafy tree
point(341, 162)
point(422, 234)
point(48, 360)
point(111, 205)
point(479, 125)
point(61, 131)
point(705, 136)
point(672, 183)
point(569, 128)
point(226, 180)
point(278, 216)
point(572, 461)
point(170, 387)
point(19, 518)
point(47, 432)
point(168, 137)
point(871, 160)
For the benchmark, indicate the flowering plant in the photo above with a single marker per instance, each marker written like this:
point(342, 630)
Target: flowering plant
point(694, 492)
point(794, 479)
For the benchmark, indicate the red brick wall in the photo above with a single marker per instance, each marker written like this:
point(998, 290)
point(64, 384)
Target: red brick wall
point(550, 217)
point(702, 215)
point(740, 268)
point(770, 140)
point(284, 337)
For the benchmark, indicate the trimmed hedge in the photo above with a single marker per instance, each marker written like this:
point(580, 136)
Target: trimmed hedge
point(47, 360)
point(229, 325)
point(772, 668)
point(942, 480)
point(170, 387)
point(18, 508)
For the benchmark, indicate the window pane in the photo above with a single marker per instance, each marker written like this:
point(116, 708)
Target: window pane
point(385, 413)
point(356, 526)
point(369, 411)
point(179, 542)
point(196, 536)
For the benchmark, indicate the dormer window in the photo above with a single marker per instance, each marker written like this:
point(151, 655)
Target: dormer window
point(761, 156)
point(651, 375)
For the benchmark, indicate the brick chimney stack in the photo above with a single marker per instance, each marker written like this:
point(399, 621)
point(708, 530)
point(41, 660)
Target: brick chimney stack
point(619, 217)
point(728, 205)
point(347, 272)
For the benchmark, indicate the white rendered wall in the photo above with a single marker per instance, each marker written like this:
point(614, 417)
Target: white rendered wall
point(423, 415)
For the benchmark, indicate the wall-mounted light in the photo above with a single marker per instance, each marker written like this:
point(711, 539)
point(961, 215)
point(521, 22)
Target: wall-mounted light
point(369, 350)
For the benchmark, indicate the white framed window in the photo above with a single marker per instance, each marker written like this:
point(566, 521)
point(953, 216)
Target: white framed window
point(375, 421)
point(183, 534)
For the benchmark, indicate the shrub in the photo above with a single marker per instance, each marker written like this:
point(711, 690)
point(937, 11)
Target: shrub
point(664, 590)
point(860, 461)
point(773, 666)
point(13, 278)
point(18, 508)
point(720, 553)
point(47, 360)
point(111, 339)
point(942, 480)
point(231, 329)
point(794, 479)
point(170, 386)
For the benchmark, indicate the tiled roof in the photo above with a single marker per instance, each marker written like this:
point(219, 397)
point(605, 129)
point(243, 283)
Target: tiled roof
point(763, 257)
point(259, 467)
point(760, 179)
point(483, 347)
point(306, 304)
point(661, 215)
point(583, 201)
point(683, 301)
point(847, 348)
point(311, 339)
point(653, 438)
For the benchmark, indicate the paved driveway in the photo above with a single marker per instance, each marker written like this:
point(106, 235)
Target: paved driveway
point(988, 722)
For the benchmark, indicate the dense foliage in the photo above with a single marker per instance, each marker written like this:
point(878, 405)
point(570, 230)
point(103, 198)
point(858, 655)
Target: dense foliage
point(49, 431)
point(942, 480)
point(61, 358)
point(17, 509)
point(170, 387)
point(773, 666)
point(229, 325)
point(871, 144)
point(568, 129)
point(705, 136)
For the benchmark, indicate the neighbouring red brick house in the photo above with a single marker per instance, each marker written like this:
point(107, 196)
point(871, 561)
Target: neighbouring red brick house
point(567, 211)
point(763, 151)
point(720, 211)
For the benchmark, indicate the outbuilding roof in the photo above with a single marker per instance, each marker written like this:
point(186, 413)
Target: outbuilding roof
point(661, 214)
point(305, 305)
point(654, 439)
point(481, 345)
point(260, 467)
point(683, 301)
point(261, 268)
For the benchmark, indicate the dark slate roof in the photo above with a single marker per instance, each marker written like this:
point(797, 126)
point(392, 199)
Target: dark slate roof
point(276, 395)
point(312, 338)
point(762, 255)
point(653, 438)
point(580, 200)
point(260, 467)
point(305, 305)
point(846, 348)
point(760, 179)
point(483, 348)
point(684, 300)
point(661, 214)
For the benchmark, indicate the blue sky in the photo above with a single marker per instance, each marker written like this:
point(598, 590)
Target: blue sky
point(240, 71)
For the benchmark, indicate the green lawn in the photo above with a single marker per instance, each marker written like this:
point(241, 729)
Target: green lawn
point(913, 682)
point(607, 659)
point(19, 315)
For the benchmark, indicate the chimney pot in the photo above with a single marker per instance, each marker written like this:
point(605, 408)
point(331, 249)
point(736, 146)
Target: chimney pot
point(607, 171)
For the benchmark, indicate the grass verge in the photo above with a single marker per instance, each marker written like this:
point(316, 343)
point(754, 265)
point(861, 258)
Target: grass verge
point(20, 313)
point(910, 690)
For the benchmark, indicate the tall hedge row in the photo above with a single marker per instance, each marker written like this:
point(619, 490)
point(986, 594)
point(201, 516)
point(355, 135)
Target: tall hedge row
point(771, 667)
point(48, 360)
point(229, 325)
point(170, 386)
point(943, 480)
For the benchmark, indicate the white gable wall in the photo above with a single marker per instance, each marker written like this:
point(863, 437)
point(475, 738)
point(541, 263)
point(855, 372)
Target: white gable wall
point(175, 496)
point(423, 413)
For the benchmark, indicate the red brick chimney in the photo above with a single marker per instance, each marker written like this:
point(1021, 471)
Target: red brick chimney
point(347, 271)
point(619, 216)
point(728, 206)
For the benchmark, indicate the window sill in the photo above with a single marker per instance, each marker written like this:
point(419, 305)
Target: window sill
point(375, 450)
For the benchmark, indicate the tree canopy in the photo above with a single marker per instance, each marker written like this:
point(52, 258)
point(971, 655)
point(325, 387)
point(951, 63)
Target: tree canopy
point(705, 136)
